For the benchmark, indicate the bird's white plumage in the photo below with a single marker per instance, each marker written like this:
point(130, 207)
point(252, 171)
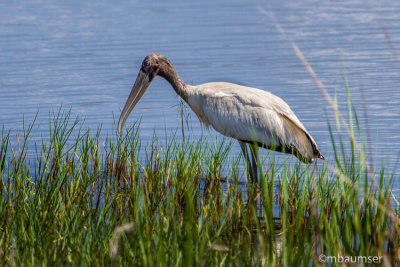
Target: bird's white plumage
point(250, 114)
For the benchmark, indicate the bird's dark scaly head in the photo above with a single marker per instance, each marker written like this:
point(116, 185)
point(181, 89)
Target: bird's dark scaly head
point(153, 65)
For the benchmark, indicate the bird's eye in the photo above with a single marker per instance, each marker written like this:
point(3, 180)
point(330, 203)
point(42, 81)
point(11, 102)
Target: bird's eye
point(146, 64)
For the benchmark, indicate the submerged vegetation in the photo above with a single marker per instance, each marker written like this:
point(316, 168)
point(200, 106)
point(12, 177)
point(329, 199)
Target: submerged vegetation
point(81, 200)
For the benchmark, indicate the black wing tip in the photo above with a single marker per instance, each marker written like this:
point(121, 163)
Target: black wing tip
point(311, 160)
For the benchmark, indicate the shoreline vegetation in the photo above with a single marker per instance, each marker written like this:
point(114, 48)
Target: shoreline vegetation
point(81, 200)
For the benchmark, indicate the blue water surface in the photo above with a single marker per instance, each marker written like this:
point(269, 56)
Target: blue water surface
point(85, 55)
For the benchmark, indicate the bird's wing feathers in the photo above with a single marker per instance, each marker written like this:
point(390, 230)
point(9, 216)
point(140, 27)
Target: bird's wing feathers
point(250, 114)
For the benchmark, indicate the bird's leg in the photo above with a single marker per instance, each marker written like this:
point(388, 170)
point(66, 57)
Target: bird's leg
point(254, 157)
point(243, 146)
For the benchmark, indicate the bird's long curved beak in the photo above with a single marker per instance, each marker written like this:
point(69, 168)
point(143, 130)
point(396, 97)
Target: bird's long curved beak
point(141, 84)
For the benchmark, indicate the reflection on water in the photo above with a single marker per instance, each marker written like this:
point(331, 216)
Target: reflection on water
point(85, 56)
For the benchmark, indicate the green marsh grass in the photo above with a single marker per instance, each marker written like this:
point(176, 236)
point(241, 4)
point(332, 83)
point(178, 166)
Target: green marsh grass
point(82, 200)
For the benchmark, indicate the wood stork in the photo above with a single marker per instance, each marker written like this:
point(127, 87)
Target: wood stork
point(252, 116)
